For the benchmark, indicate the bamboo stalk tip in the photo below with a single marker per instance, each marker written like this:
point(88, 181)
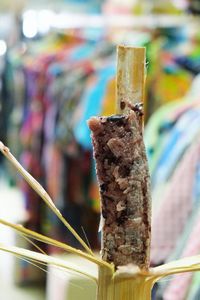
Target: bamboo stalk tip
point(139, 52)
point(130, 79)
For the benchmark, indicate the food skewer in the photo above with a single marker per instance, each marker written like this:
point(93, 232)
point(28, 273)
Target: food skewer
point(122, 168)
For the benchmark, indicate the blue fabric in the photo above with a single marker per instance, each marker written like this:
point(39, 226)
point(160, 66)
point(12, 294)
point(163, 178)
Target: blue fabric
point(179, 139)
point(82, 52)
point(196, 188)
point(55, 69)
point(92, 105)
point(79, 53)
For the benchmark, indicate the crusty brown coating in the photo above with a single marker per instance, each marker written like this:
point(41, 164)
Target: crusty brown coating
point(123, 178)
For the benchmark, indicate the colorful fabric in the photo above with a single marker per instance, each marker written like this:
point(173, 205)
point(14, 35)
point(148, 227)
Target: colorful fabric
point(178, 287)
point(181, 244)
point(156, 131)
point(92, 104)
point(180, 137)
point(176, 206)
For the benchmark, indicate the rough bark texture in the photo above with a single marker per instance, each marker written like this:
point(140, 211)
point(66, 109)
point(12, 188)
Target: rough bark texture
point(123, 177)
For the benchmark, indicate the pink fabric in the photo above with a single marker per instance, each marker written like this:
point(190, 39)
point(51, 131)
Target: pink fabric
point(176, 206)
point(178, 287)
point(53, 168)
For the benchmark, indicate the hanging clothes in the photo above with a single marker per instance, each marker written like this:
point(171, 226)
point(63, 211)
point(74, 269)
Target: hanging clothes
point(178, 287)
point(181, 136)
point(92, 103)
point(62, 77)
point(182, 241)
point(176, 206)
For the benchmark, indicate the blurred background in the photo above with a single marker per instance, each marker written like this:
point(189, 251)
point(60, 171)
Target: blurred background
point(57, 68)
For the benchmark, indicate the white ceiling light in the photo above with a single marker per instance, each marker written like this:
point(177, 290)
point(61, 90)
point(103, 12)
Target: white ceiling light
point(3, 47)
point(29, 26)
point(45, 18)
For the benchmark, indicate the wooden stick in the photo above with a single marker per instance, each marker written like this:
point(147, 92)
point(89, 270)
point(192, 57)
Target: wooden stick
point(123, 177)
point(122, 172)
point(130, 77)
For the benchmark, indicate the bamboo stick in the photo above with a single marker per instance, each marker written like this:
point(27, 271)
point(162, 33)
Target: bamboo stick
point(130, 96)
point(130, 77)
point(125, 194)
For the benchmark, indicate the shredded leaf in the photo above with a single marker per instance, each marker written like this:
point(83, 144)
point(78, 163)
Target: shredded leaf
point(42, 193)
point(24, 253)
point(47, 240)
point(32, 243)
point(187, 264)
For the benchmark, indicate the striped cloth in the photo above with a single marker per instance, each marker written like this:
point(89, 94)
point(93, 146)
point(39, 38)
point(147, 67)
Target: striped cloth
point(178, 287)
point(176, 206)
